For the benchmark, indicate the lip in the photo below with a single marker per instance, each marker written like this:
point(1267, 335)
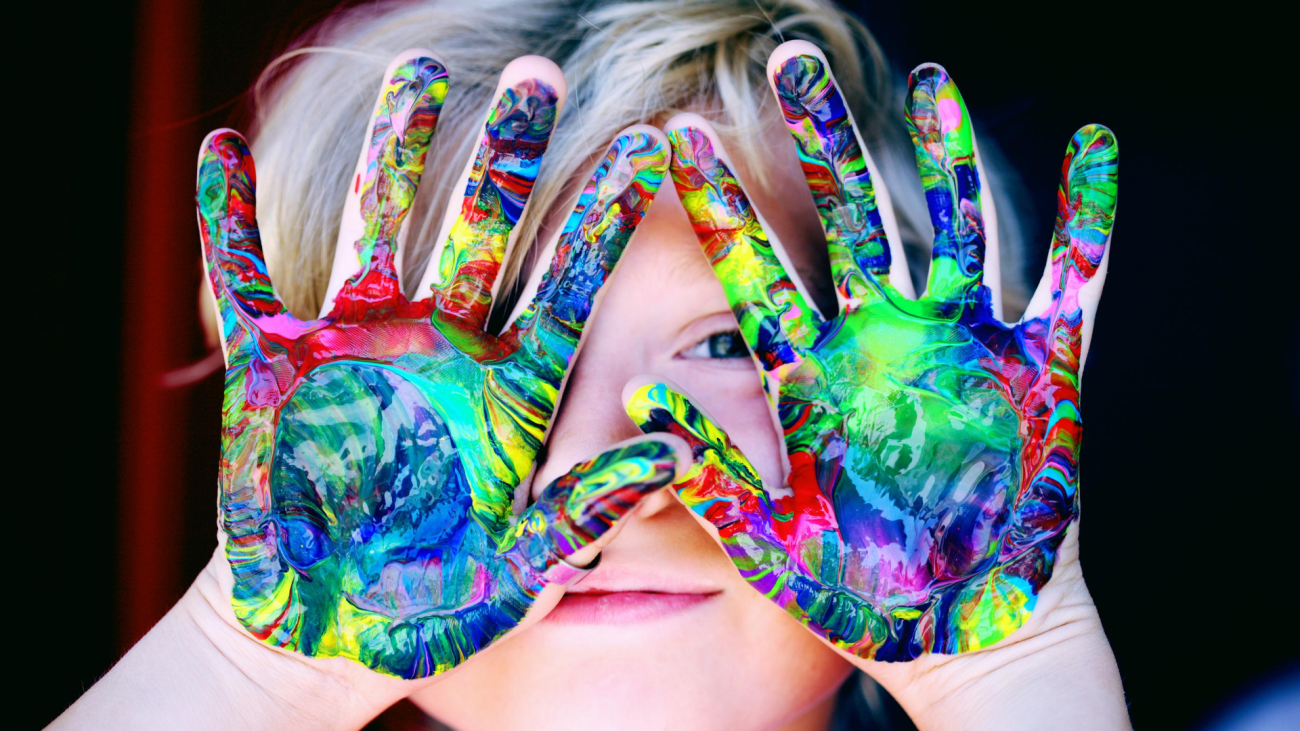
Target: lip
point(624, 607)
point(631, 593)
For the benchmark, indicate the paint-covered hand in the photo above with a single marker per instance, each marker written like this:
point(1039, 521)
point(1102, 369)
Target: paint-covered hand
point(932, 449)
point(371, 457)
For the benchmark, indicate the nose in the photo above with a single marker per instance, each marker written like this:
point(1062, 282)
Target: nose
point(590, 420)
point(624, 338)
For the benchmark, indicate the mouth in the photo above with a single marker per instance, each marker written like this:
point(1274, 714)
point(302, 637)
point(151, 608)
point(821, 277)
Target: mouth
point(632, 594)
point(624, 607)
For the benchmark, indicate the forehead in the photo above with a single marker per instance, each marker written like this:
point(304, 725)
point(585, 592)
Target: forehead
point(665, 249)
point(665, 261)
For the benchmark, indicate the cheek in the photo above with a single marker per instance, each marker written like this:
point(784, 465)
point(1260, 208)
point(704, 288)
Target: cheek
point(779, 660)
point(744, 665)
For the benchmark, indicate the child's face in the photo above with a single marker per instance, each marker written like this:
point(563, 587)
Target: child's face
point(665, 633)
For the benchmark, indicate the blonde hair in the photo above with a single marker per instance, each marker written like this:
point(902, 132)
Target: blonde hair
point(625, 62)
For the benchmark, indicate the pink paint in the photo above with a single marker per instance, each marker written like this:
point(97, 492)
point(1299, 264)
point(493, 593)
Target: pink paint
point(950, 116)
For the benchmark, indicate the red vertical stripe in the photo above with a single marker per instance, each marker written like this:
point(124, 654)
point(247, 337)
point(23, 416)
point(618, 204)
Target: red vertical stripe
point(159, 311)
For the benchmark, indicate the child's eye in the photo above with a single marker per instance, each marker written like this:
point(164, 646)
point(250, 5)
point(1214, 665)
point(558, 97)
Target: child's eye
point(727, 344)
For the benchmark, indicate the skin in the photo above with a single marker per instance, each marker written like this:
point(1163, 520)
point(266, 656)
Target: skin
point(735, 661)
point(933, 451)
point(371, 456)
point(853, 606)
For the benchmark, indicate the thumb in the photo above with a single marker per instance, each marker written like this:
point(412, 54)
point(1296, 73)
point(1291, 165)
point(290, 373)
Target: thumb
point(721, 486)
point(563, 529)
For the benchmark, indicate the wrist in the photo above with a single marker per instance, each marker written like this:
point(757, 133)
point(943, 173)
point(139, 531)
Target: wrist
point(1057, 671)
point(1065, 678)
point(198, 669)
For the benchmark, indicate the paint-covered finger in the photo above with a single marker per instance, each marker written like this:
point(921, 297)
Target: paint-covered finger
point(366, 276)
point(722, 485)
point(1085, 214)
point(577, 510)
point(940, 127)
point(498, 182)
point(854, 210)
point(546, 334)
point(232, 249)
point(776, 318)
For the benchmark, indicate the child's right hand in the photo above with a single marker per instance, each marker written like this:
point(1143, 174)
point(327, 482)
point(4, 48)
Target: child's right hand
point(371, 456)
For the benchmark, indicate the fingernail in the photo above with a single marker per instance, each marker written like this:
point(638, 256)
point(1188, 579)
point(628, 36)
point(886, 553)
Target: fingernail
point(709, 191)
point(804, 88)
point(935, 106)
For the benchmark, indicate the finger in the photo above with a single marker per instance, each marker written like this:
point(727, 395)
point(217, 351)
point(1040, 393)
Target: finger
point(232, 248)
point(722, 485)
point(1057, 336)
point(577, 510)
point(546, 334)
point(847, 621)
point(498, 181)
point(855, 213)
point(774, 314)
point(366, 276)
point(1066, 300)
point(945, 157)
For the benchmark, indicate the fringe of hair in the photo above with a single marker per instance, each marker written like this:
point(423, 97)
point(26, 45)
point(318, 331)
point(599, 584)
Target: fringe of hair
point(625, 62)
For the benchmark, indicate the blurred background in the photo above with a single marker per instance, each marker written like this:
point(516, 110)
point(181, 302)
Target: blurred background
point(1192, 395)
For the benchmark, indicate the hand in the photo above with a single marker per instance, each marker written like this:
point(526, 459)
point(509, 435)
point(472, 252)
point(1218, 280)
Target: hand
point(371, 457)
point(933, 450)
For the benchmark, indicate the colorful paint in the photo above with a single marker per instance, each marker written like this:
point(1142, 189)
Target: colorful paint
point(369, 460)
point(836, 170)
point(505, 167)
point(933, 450)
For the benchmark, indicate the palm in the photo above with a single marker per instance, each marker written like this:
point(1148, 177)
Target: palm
point(370, 490)
point(914, 442)
point(932, 449)
point(371, 457)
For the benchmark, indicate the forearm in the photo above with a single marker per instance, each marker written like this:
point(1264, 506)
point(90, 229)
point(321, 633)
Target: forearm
point(195, 669)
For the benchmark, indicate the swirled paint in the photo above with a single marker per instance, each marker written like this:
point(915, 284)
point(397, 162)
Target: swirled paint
point(370, 458)
point(933, 450)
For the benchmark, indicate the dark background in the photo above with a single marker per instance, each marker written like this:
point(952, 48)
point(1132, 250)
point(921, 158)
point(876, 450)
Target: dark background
point(1192, 399)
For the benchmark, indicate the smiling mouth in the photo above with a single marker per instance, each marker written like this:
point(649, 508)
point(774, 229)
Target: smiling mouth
point(624, 607)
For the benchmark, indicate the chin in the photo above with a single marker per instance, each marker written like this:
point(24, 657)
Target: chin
point(721, 663)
